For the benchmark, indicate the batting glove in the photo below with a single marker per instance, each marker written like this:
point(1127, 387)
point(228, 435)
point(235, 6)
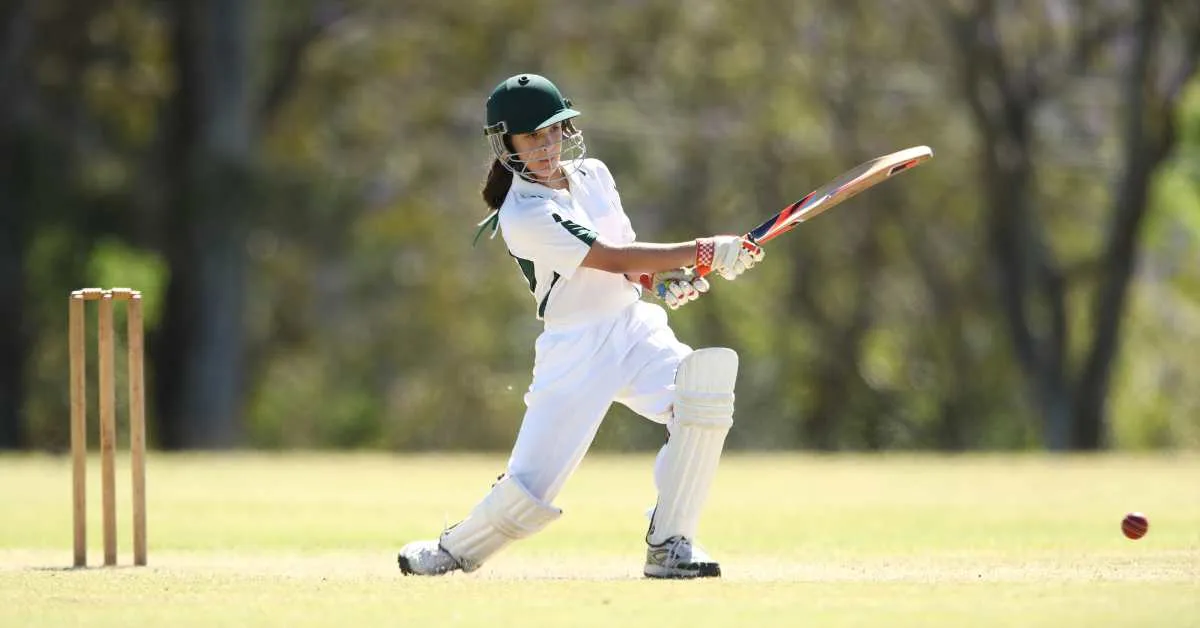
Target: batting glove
point(726, 255)
point(675, 287)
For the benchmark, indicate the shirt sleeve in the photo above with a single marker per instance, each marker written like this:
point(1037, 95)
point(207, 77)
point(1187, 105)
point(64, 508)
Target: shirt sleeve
point(542, 236)
point(611, 184)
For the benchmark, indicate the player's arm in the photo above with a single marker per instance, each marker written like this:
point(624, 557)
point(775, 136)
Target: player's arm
point(636, 258)
point(729, 256)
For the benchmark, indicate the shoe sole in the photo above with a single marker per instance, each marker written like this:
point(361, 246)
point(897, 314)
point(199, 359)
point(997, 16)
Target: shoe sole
point(703, 570)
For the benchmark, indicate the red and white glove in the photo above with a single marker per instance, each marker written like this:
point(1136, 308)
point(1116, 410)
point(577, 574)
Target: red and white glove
point(675, 287)
point(728, 256)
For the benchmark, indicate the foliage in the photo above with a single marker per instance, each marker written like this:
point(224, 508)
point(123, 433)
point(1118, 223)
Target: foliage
point(369, 320)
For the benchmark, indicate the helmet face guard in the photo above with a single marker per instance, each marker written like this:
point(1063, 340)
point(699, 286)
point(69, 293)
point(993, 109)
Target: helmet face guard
point(525, 103)
point(569, 152)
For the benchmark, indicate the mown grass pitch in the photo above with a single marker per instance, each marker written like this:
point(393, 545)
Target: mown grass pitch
point(310, 540)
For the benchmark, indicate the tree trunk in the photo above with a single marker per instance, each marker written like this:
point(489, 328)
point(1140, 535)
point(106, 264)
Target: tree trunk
point(1149, 135)
point(209, 152)
point(15, 212)
point(1031, 291)
point(13, 342)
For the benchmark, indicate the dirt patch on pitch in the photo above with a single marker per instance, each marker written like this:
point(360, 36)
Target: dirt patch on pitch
point(1150, 566)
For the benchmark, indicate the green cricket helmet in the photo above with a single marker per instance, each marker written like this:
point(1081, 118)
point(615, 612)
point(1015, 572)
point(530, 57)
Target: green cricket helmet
point(525, 103)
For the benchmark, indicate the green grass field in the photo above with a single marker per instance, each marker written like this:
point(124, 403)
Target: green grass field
point(310, 540)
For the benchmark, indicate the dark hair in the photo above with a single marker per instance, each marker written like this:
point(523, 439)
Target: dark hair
point(499, 177)
point(495, 188)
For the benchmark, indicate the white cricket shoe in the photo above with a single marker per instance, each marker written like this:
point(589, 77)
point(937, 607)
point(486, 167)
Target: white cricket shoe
point(678, 557)
point(426, 558)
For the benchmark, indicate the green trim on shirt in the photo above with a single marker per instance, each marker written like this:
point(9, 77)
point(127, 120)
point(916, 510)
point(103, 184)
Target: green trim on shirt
point(528, 271)
point(585, 235)
point(546, 300)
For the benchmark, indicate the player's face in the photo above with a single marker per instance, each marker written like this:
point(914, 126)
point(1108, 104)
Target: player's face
point(540, 150)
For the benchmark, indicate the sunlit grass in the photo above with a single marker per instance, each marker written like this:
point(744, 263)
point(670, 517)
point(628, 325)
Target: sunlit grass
point(307, 540)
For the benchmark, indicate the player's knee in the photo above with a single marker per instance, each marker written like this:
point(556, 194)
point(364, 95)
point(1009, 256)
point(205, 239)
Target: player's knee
point(704, 386)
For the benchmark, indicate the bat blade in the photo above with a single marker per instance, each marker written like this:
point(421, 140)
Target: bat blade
point(844, 187)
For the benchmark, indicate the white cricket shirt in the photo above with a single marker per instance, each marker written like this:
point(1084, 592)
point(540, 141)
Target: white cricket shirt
point(550, 231)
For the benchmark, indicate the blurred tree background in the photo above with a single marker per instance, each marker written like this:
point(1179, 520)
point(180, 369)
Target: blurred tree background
point(294, 186)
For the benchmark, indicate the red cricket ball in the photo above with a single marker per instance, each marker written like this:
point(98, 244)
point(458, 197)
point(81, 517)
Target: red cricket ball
point(1135, 525)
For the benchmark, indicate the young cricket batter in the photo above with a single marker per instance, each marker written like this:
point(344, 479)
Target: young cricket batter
point(562, 221)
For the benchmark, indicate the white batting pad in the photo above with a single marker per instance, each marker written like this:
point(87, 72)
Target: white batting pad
point(703, 414)
point(506, 514)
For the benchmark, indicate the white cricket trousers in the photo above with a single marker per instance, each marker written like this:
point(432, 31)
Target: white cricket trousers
point(578, 372)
